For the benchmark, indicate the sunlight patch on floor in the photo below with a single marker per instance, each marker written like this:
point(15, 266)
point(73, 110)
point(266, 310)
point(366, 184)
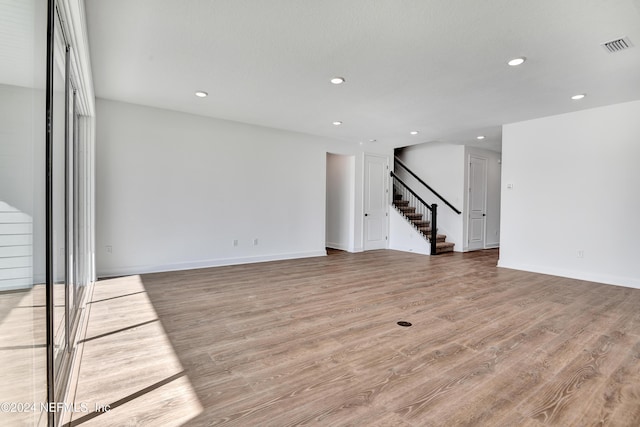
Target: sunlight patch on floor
point(129, 372)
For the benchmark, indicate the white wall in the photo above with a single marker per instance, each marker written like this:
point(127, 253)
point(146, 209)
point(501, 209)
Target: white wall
point(575, 184)
point(404, 237)
point(441, 166)
point(340, 209)
point(22, 219)
point(494, 172)
point(445, 168)
point(174, 190)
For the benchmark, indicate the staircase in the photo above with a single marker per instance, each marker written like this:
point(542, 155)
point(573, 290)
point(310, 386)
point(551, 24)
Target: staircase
point(422, 225)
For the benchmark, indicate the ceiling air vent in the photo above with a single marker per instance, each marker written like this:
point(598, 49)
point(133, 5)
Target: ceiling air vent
point(617, 45)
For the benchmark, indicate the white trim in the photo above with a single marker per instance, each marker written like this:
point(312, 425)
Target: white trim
point(74, 374)
point(220, 262)
point(629, 282)
point(72, 14)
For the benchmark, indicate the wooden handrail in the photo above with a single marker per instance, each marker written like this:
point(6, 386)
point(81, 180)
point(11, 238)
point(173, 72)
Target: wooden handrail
point(446, 202)
point(413, 193)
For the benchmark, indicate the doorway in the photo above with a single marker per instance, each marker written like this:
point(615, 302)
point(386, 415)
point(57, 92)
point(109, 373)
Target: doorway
point(340, 203)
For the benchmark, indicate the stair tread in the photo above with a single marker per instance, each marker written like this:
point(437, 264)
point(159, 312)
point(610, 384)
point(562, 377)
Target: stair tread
point(444, 244)
point(423, 226)
point(444, 247)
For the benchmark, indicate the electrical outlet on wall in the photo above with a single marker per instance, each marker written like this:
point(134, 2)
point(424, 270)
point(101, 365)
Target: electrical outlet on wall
point(109, 249)
point(255, 242)
point(581, 254)
point(235, 242)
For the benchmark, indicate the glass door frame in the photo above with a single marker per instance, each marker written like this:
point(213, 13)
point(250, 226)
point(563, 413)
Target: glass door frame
point(75, 216)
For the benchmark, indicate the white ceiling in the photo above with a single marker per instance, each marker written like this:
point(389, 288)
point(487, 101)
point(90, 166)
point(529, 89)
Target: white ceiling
point(436, 66)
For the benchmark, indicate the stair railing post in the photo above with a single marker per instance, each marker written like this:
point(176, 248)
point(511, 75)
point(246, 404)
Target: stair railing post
point(434, 228)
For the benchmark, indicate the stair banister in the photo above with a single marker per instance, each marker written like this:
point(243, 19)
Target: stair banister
point(434, 228)
point(410, 190)
point(405, 167)
point(433, 208)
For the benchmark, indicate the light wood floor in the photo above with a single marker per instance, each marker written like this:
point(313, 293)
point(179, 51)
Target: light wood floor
point(23, 351)
point(315, 341)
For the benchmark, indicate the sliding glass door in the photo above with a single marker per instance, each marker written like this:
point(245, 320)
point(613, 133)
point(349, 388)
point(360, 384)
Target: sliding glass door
point(58, 224)
point(46, 207)
point(23, 311)
point(71, 201)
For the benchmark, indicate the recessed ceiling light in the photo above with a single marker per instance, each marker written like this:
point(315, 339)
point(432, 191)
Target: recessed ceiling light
point(517, 61)
point(480, 137)
point(337, 123)
point(201, 94)
point(414, 132)
point(578, 96)
point(337, 80)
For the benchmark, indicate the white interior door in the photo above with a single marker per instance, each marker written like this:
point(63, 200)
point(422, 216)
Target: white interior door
point(477, 202)
point(375, 201)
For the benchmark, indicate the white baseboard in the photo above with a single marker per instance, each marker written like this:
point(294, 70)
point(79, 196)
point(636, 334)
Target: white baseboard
point(144, 269)
point(629, 282)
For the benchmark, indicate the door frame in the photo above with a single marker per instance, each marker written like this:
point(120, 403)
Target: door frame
point(77, 213)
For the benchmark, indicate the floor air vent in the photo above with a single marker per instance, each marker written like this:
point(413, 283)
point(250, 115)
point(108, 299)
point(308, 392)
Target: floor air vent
point(617, 45)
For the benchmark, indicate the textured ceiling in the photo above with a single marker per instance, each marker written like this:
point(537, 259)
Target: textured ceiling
point(436, 66)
